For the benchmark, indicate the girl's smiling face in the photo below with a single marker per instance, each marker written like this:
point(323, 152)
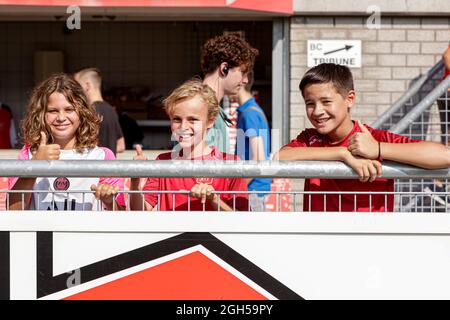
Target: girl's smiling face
point(63, 120)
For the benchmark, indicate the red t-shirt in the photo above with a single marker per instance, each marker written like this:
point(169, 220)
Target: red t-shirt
point(180, 201)
point(379, 203)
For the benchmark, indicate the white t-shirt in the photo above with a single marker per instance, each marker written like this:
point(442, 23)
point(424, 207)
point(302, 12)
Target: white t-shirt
point(47, 196)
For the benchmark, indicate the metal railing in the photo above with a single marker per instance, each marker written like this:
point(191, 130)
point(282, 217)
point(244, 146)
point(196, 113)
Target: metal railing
point(422, 106)
point(204, 168)
point(415, 116)
point(424, 200)
point(408, 95)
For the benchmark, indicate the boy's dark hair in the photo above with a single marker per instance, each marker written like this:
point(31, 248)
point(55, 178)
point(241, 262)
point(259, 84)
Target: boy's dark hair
point(229, 48)
point(340, 76)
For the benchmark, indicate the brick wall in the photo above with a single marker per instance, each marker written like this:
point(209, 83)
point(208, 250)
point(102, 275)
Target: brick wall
point(392, 56)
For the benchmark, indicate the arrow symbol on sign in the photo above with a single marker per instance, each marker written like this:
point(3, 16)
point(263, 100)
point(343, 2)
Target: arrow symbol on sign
point(347, 47)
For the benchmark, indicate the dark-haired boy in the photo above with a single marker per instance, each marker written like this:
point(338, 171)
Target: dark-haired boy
point(329, 95)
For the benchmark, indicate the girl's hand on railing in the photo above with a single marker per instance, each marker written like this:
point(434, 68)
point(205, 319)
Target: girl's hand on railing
point(105, 193)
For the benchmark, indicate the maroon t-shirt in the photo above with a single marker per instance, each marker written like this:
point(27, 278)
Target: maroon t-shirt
point(349, 201)
point(5, 125)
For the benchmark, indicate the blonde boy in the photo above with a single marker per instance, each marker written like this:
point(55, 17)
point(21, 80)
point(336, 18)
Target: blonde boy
point(192, 109)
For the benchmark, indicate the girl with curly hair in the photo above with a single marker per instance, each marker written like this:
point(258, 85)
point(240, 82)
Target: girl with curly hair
point(60, 124)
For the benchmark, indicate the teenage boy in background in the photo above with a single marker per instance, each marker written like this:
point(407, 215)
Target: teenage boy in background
point(225, 61)
point(110, 134)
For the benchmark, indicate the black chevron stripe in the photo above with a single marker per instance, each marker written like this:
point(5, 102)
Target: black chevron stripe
point(47, 284)
point(4, 266)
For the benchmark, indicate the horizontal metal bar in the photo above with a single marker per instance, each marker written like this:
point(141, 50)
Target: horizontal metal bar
point(294, 192)
point(407, 95)
point(198, 168)
point(426, 102)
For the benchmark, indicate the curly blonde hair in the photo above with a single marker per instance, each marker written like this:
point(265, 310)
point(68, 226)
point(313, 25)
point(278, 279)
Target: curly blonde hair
point(33, 124)
point(191, 89)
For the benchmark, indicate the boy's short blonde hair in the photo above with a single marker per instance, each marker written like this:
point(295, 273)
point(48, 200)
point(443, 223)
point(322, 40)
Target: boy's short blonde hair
point(191, 89)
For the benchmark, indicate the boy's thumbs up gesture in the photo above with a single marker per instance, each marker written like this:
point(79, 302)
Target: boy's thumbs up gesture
point(46, 151)
point(139, 154)
point(362, 144)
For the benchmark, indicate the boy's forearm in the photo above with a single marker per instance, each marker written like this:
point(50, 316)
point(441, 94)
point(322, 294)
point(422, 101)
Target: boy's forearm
point(257, 147)
point(428, 155)
point(136, 199)
point(114, 207)
point(313, 153)
point(223, 205)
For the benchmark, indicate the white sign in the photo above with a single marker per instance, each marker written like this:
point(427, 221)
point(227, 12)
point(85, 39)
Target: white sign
point(344, 52)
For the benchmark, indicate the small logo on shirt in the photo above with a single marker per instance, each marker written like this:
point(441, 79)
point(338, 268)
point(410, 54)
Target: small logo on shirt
point(314, 139)
point(61, 183)
point(204, 180)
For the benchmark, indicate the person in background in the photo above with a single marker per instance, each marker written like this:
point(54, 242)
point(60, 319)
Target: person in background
point(225, 61)
point(110, 134)
point(8, 135)
point(444, 102)
point(131, 130)
point(253, 140)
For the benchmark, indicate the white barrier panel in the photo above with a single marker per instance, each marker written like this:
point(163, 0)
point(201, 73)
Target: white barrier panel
point(182, 255)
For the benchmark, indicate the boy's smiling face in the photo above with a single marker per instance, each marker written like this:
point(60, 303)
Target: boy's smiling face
point(189, 122)
point(328, 110)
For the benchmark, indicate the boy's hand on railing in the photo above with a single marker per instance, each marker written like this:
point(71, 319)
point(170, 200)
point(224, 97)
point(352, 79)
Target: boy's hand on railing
point(139, 153)
point(362, 144)
point(105, 193)
point(204, 191)
point(46, 151)
point(367, 170)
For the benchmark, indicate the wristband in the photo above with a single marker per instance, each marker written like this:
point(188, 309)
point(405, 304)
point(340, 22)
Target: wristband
point(380, 158)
